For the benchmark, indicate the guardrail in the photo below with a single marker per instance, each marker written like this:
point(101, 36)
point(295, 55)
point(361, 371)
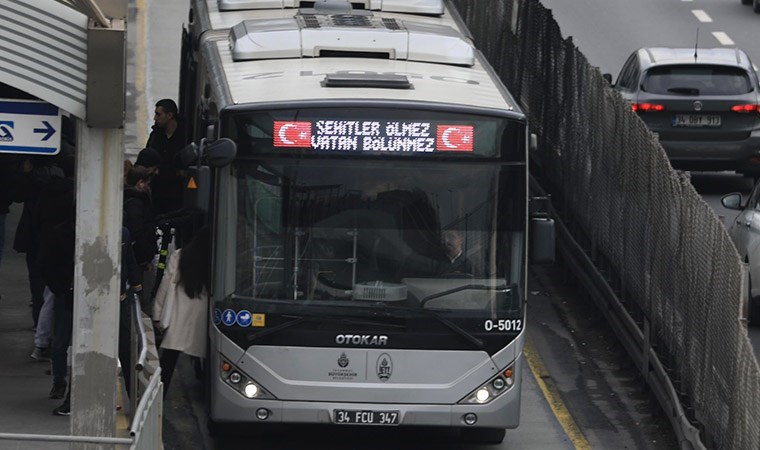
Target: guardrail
point(637, 341)
point(147, 413)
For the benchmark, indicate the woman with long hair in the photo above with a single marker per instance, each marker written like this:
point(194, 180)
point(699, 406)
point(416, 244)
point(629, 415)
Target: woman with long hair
point(181, 307)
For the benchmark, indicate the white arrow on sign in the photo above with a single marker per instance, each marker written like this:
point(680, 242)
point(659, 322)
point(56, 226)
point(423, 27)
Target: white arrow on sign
point(29, 127)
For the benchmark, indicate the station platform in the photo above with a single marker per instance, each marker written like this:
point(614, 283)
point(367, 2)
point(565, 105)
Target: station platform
point(24, 382)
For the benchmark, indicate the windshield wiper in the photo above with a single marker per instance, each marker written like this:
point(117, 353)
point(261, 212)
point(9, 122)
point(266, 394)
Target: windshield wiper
point(451, 325)
point(467, 287)
point(318, 319)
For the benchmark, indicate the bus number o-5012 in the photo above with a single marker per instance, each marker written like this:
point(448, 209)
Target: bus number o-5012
point(503, 325)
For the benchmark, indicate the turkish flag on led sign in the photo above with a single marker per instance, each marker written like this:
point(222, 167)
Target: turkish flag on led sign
point(292, 134)
point(454, 138)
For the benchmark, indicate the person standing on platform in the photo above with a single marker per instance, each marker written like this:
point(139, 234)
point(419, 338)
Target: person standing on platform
point(168, 138)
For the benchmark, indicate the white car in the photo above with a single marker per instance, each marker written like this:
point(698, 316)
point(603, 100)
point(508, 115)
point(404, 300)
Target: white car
point(745, 232)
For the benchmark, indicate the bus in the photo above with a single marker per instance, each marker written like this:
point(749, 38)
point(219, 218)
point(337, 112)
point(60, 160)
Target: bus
point(371, 225)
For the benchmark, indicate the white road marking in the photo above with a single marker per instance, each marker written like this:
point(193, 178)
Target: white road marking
point(722, 38)
point(687, 0)
point(701, 15)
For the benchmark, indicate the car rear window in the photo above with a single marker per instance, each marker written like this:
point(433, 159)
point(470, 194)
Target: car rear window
point(697, 80)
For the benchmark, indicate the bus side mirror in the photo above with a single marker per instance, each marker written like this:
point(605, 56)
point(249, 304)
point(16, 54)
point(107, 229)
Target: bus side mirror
point(542, 232)
point(533, 142)
point(542, 240)
point(188, 156)
point(221, 152)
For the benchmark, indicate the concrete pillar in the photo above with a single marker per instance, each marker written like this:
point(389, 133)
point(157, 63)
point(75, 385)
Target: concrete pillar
point(96, 285)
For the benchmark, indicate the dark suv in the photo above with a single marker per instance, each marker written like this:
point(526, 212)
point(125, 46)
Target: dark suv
point(705, 110)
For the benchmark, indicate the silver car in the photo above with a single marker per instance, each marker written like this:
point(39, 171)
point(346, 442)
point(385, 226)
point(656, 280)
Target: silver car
point(745, 233)
point(705, 110)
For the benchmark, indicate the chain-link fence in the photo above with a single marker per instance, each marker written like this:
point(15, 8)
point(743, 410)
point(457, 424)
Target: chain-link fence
point(671, 258)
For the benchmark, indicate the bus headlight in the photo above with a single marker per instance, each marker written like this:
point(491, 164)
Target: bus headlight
point(492, 388)
point(250, 390)
point(242, 383)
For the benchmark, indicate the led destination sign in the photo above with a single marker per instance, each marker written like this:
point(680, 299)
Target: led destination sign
point(374, 136)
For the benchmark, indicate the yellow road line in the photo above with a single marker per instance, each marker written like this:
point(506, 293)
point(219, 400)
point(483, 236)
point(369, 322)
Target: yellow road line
point(141, 59)
point(551, 393)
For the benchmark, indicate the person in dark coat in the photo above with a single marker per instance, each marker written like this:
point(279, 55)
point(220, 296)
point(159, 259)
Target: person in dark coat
point(456, 263)
point(131, 283)
point(140, 220)
point(168, 138)
point(36, 173)
point(139, 215)
point(9, 173)
point(56, 215)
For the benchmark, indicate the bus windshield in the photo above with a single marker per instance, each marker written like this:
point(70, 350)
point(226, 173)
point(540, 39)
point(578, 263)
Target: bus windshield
point(354, 233)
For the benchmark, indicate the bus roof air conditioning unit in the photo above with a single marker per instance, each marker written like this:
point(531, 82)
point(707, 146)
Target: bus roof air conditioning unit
point(431, 7)
point(312, 35)
point(378, 291)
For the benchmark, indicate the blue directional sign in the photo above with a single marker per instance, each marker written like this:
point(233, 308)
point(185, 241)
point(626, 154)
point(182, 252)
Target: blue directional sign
point(29, 127)
point(217, 316)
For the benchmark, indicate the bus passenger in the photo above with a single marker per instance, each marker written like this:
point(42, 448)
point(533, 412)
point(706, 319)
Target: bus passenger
point(181, 306)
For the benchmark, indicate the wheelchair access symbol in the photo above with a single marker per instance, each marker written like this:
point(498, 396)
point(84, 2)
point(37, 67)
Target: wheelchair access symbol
point(5, 131)
point(217, 316)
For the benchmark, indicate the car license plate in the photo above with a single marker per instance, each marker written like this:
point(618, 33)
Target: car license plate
point(696, 120)
point(364, 417)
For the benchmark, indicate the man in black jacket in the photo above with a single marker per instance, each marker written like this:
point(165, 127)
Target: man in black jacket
point(168, 138)
point(56, 215)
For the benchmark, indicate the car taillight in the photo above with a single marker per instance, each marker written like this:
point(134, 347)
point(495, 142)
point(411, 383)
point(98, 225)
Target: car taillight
point(645, 107)
point(748, 108)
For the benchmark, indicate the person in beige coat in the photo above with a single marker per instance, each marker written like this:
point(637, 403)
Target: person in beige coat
point(181, 306)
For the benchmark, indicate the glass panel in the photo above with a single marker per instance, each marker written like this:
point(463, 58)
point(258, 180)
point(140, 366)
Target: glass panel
point(697, 80)
point(351, 233)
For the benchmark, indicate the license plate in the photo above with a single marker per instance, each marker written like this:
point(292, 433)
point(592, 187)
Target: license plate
point(696, 120)
point(364, 417)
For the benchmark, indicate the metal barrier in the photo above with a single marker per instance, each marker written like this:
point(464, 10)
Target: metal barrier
point(147, 414)
point(637, 342)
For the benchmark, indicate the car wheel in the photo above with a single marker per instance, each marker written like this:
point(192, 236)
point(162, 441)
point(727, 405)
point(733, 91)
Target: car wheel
point(483, 435)
point(756, 6)
point(746, 2)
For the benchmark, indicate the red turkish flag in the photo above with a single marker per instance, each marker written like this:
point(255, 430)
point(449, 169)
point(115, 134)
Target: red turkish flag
point(454, 138)
point(292, 134)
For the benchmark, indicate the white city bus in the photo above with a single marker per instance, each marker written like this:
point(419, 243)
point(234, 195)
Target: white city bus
point(370, 234)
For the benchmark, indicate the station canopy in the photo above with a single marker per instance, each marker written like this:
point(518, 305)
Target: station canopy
point(44, 52)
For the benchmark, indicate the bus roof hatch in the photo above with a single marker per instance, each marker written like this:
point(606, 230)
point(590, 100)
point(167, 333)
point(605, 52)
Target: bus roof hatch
point(432, 7)
point(310, 34)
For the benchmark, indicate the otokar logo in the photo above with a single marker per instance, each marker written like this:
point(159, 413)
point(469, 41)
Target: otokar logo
point(361, 339)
